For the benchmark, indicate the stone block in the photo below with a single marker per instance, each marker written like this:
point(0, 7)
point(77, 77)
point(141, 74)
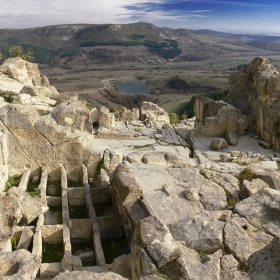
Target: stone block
point(25, 239)
point(50, 270)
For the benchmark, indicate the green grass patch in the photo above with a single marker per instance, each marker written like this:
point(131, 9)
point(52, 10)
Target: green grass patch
point(89, 105)
point(114, 247)
point(54, 188)
point(14, 242)
point(31, 187)
point(52, 253)
point(174, 118)
point(12, 182)
point(245, 174)
point(78, 212)
point(35, 193)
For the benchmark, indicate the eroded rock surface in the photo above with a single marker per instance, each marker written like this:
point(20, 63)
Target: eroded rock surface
point(19, 265)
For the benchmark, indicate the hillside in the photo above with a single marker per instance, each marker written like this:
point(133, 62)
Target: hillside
point(71, 46)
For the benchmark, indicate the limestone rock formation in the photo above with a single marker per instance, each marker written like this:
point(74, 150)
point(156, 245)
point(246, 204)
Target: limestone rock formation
point(218, 144)
point(31, 207)
point(177, 210)
point(214, 118)
point(152, 115)
point(19, 265)
point(18, 75)
point(60, 144)
point(255, 91)
point(73, 113)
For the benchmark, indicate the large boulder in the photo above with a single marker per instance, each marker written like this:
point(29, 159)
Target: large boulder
point(20, 70)
point(261, 207)
point(255, 90)
point(231, 137)
point(31, 207)
point(20, 265)
point(73, 113)
point(153, 116)
point(20, 76)
point(34, 140)
point(218, 144)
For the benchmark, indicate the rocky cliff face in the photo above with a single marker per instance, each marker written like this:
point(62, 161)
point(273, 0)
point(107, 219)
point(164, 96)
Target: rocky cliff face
point(30, 122)
point(255, 90)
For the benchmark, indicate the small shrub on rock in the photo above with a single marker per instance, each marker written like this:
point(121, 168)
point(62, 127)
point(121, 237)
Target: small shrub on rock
point(174, 118)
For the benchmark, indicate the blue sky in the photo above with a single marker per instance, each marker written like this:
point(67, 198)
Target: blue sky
point(248, 16)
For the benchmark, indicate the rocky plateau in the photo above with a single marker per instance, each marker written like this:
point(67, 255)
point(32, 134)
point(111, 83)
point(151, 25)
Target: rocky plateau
point(127, 195)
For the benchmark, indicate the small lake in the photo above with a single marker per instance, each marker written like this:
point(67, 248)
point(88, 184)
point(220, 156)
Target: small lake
point(133, 88)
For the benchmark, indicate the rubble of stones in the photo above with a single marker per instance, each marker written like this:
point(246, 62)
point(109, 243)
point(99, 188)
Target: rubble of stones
point(196, 200)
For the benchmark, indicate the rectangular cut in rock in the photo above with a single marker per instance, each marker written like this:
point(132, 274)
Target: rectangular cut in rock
point(110, 226)
point(52, 234)
point(76, 196)
point(25, 239)
point(81, 228)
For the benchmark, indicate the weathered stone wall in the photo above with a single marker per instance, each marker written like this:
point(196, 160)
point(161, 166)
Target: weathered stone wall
point(213, 118)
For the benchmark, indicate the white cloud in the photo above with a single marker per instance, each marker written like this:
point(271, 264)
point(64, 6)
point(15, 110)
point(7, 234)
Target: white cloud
point(32, 13)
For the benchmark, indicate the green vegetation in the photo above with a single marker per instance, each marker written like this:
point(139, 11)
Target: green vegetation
point(174, 118)
point(114, 247)
point(167, 49)
point(35, 193)
point(113, 109)
point(71, 52)
point(136, 37)
point(18, 52)
point(12, 182)
point(217, 95)
point(245, 174)
point(41, 54)
point(178, 83)
point(89, 105)
point(260, 45)
point(14, 242)
point(52, 253)
point(78, 212)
